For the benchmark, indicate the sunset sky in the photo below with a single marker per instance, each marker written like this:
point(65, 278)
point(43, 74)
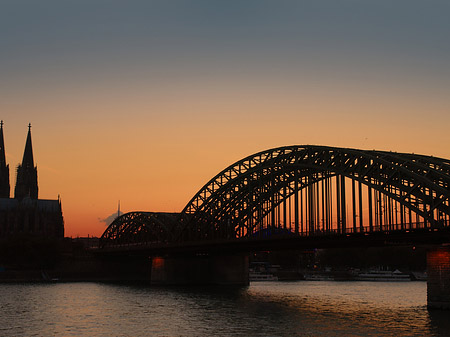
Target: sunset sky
point(145, 101)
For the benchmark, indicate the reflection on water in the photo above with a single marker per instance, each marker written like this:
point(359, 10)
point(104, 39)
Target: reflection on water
point(263, 309)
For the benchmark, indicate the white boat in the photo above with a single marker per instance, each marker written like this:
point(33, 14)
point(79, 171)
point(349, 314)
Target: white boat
point(318, 277)
point(255, 277)
point(376, 275)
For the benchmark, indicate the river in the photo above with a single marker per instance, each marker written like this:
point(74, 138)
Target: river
point(304, 308)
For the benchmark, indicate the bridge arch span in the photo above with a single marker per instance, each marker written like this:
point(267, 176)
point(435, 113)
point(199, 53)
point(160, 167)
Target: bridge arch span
point(302, 190)
point(140, 227)
point(251, 195)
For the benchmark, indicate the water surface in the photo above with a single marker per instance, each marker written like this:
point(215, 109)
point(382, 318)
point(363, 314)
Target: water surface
point(262, 309)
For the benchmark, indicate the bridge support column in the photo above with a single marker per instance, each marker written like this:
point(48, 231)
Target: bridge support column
point(438, 284)
point(200, 269)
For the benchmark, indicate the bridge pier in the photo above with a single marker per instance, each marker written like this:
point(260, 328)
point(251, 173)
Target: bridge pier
point(438, 284)
point(200, 269)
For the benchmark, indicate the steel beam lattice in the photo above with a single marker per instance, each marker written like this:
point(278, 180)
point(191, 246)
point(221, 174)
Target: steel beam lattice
point(303, 190)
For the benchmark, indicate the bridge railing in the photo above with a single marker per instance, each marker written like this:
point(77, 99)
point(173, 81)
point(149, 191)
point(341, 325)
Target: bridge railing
point(410, 226)
point(368, 229)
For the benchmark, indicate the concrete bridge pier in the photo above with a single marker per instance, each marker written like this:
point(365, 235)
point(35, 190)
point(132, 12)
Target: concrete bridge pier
point(200, 269)
point(438, 284)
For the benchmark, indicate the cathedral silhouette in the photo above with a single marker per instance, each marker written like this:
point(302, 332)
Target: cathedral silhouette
point(26, 214)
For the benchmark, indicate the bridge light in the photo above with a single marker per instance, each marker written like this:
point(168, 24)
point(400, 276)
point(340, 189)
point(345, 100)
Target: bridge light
point(158, 262)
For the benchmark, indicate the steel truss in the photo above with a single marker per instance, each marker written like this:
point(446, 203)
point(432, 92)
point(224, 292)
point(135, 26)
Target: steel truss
point(304, 190)
point(139, 227)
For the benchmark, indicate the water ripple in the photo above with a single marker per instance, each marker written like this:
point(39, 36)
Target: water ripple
point(263, 309)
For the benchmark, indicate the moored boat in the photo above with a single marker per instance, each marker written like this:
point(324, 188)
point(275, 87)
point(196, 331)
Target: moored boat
point(377, 275)
point(255, 277)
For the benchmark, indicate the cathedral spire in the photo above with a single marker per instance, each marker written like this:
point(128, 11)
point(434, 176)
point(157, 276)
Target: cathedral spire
point(4, 169)
point(28, 160)
point(2, 147)
point(26, 182)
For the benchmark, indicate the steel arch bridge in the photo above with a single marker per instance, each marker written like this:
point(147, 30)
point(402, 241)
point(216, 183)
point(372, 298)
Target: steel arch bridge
point(300, 191)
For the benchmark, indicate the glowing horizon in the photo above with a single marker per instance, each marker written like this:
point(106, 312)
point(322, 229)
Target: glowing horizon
point(145, 102)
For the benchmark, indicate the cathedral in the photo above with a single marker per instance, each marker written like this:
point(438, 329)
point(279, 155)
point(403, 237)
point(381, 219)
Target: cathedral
point(26, 214)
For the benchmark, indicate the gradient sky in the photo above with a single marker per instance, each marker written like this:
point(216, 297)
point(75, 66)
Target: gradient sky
point(145, 101)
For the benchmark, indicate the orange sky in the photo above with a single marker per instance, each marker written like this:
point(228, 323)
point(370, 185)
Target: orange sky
point(145, 104)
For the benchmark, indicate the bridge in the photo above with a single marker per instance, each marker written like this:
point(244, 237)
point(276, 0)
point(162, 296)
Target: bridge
point(299, 197)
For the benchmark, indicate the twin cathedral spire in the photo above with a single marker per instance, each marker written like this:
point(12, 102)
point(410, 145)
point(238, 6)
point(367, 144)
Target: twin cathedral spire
point(26, 181)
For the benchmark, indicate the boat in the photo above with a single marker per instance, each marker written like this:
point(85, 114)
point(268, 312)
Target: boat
point(256, 277)
point(419, 276)
point(318, 277)
point(379, 275)
point(262, 271)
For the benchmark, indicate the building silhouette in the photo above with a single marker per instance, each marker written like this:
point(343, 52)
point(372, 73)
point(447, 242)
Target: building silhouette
point(26, 214)
point(26, 182)
point(4, 169)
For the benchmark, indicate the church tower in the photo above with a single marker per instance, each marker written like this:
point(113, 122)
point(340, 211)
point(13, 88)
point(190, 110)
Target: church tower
point(26, 182)
point(4, 169)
